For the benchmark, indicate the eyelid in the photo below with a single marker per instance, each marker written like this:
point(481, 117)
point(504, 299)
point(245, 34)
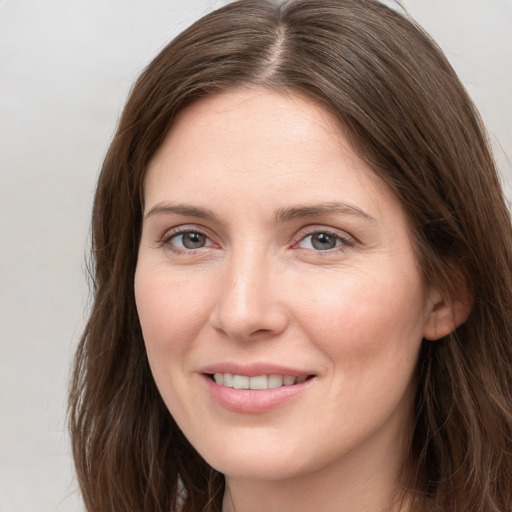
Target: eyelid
point(346, 239)
point(171, 233)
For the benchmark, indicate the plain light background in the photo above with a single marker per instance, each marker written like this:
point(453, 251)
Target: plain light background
point(66, 67)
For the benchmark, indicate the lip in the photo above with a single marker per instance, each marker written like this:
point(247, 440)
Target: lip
point(254, 369)
point(248, 401)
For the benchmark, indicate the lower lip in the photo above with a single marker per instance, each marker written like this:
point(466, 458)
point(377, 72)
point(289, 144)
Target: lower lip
point(250, 401)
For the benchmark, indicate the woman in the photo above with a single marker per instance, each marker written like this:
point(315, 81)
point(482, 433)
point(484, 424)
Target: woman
point(293, 233)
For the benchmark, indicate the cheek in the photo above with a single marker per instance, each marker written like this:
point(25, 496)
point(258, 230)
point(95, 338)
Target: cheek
point(369, 332)
point(364, 322)
point(171, 310)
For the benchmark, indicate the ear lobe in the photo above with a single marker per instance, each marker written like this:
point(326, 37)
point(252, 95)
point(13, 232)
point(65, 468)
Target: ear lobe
point(445, 316)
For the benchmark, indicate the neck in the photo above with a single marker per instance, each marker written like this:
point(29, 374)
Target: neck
point(273, 497)
point(367, 480)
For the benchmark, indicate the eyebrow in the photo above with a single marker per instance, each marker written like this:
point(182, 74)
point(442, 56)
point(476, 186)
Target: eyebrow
point(282, 215)
point(183, 209)
point(315, 210)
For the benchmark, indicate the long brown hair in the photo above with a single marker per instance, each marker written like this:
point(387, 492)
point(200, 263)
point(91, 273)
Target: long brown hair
point(409, 117)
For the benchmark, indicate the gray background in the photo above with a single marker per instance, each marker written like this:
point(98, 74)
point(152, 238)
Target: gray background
point(65, 69)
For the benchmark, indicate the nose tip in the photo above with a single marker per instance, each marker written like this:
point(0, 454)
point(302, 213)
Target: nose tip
point(248, 307)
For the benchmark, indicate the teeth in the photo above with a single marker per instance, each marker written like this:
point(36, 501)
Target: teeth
point(275, 381)
point(241, 382)
point(288, 380)
point(259, 382)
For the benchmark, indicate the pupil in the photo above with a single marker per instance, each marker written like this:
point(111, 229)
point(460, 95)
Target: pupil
point(193, 240)
point(323, 241)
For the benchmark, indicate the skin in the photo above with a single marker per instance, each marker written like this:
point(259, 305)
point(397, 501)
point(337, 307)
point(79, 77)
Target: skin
point(258, 289)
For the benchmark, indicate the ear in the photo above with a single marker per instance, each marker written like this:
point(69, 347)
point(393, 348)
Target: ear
point(445, 315)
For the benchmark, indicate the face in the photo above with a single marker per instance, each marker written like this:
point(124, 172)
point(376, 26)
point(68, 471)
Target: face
point(277, 289)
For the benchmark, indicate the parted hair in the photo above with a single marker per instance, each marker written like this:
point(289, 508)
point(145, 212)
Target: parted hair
point(408, 116)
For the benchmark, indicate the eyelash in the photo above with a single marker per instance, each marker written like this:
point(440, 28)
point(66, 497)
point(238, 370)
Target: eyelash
point(343, 240)
point(176, 233)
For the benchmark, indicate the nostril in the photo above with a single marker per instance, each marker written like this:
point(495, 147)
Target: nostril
point(260, 331)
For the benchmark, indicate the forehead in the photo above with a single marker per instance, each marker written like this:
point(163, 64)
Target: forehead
point(256, 105)
point(256, 141)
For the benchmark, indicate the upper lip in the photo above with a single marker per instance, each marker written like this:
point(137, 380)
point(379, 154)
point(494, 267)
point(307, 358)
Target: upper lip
point(253, 369)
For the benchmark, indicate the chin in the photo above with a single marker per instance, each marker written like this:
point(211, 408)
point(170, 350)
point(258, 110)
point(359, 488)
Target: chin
point(257, 470)
point(251, 461)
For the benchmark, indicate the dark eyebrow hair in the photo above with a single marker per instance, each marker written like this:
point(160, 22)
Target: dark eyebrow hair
point(315, 210)
point(182, 209)
point(281, 215)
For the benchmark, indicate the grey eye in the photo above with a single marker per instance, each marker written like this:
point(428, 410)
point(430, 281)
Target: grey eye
point(191, 240)
point(323, 241)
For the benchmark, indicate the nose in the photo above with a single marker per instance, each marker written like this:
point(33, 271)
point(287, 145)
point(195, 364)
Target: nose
point(249, 303)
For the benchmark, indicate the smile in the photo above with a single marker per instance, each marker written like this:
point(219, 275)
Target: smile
point(256, 393)
point(257, 382)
